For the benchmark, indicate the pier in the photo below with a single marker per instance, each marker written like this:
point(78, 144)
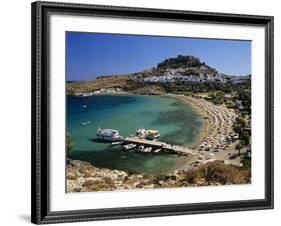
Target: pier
point(159, 145)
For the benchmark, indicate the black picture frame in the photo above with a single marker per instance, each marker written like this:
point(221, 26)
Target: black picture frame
point(40, 212)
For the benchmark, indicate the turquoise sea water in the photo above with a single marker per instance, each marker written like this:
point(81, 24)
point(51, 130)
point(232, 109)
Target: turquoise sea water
point(176, 121)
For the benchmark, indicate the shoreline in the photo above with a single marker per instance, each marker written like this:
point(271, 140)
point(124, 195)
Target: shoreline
point(217, 121)
point(214, 140)
point(209, 113)
point(205, 123)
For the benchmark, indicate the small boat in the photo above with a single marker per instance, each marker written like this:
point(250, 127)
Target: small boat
point(147, 149)
point(84, 106)
point(140, 148)
point(116, 143)
point(108, 135)
point(149, 134)
point(157, 150)
point(129, 146)
point(152, 134)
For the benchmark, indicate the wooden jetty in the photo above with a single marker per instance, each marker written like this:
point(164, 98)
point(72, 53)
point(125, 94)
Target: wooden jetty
point(159, 145)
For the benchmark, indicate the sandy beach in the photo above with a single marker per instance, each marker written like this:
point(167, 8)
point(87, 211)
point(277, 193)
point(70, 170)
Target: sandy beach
point(217, 124)
point(213, 139)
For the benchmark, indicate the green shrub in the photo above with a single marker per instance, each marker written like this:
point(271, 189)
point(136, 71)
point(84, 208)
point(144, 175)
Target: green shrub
point(69, 143)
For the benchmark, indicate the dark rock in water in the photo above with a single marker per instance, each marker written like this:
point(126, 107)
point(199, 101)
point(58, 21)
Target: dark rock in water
point(77, 163)
point(68, 161)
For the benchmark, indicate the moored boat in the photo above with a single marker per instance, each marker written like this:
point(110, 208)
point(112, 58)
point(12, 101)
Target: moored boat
point(116, 143)
point(149, 134)
point(108, 135)
point(157, 150)
point(149, 149)
point(140, 148)
point(129, 146)
point(152, 134)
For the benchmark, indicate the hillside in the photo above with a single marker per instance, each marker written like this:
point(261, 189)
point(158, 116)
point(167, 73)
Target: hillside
point(84, 177)
point(181, 69)
point(97, 84)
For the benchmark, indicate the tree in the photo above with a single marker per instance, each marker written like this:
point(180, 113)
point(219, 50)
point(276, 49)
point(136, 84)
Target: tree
point(239, 125)
point(244, 95)
point(245, 136)
point(69, 143)
point(239, 146)
point(217, 97)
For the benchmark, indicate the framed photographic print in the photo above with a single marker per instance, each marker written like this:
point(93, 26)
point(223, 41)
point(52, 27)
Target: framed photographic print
point(149, 112)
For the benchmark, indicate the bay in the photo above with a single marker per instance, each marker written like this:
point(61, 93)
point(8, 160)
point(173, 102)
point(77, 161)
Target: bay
point(175, 119)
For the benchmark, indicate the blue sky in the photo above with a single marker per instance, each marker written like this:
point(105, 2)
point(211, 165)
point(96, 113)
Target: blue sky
point(89, 55)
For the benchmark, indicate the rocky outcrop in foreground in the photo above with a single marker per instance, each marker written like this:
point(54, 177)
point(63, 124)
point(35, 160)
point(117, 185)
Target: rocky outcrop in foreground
point(84, 177)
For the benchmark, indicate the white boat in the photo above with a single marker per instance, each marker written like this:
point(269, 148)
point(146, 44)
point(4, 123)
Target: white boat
point(129, 146)
point(140, 148)
point(147, 149)
point(157, 150)
point(116, 143)
point(86, 123)
point(108, 135)
point(141, 133)
point(152, 134)
point(149, 134)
